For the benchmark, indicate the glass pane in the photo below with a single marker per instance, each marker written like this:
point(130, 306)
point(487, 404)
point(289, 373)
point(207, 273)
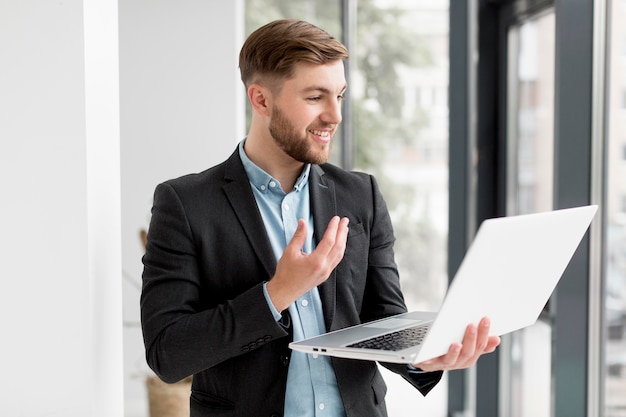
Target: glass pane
point(531, 110)
point(615, 296)
point(400, 89)
point(526, 354)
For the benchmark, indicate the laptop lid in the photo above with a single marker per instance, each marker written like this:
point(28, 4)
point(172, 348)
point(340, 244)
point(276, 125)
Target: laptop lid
point(508, 274)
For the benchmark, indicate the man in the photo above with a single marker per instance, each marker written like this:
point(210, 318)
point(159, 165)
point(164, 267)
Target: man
point(275, 245)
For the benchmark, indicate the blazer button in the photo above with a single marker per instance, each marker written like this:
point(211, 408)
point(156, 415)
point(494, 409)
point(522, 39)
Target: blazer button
point(284, 359)
point(275, 415)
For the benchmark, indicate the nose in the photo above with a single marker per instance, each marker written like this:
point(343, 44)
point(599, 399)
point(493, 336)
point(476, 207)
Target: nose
point(332, 112)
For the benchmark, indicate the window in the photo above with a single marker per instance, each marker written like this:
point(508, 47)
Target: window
point(400, 104)
point(526, 354)
point(615, 275)
point(398, 135)
point(531, 106)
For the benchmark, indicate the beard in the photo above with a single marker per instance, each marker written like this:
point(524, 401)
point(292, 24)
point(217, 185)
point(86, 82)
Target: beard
point(293, 143)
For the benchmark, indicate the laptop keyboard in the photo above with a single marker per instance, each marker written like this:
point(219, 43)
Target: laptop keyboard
point(399, 340)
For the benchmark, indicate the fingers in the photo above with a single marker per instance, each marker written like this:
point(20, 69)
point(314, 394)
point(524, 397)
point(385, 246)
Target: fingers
point(334, 238)
point(476, 342)
point(492, 343)
point(444, 362)
point(330, 250)
point(333, 244)
point(299, 237)
point(340, 241)
point(483, 333)
point(469, 343)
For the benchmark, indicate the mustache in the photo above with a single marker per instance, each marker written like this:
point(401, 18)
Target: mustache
point(323, 127)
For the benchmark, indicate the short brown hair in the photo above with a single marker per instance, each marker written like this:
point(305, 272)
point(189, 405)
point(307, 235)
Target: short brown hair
point(272, 50)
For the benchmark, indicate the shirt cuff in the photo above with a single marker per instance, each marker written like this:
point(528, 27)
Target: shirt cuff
point(275, 312)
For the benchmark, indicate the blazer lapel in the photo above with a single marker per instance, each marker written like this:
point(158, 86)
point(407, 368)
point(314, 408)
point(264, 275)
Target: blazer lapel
point(239, 194)
point(324, 207)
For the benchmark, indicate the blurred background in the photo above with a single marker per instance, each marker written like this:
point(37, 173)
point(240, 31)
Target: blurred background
point(463, 110)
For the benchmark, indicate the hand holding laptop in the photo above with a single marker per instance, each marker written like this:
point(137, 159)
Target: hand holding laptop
point(476, 342)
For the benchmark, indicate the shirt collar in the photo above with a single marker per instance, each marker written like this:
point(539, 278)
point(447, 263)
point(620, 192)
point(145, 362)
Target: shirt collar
point(263, 181)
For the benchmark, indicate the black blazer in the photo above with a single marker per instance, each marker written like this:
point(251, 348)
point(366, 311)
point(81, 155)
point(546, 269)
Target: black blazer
point(203, 311)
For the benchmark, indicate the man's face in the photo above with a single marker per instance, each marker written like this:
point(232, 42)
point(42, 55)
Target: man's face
point(307, 111)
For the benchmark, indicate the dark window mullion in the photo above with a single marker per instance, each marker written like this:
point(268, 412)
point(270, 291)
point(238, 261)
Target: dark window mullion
point(348, 32)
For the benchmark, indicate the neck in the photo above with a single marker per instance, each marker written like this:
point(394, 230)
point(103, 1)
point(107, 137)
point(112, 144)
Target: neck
point(272, 159)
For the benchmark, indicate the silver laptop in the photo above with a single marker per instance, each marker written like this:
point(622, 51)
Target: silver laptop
point(508, 275)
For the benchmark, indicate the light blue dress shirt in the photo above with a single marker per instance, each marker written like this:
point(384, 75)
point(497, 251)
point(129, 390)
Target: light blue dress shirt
point(311, 384)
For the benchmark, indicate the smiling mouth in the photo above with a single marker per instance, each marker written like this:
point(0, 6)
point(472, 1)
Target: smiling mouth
point(320, 133)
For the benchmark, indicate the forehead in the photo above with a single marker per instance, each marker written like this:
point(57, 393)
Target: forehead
point(308, 77)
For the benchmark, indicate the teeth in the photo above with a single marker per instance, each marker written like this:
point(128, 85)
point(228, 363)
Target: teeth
point(322, 133)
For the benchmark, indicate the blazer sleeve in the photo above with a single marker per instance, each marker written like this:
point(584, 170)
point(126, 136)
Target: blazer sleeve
point(182, 334)
point(423, 381)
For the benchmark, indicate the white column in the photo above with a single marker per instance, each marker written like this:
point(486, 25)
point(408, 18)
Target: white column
point(104, 204)
point(59, 211)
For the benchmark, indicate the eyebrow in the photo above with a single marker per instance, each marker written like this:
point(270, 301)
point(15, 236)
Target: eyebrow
point(322, 89)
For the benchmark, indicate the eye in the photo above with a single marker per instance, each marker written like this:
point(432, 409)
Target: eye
point(314, 99)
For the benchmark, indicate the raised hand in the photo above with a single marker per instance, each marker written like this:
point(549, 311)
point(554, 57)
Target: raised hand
point(298, 272)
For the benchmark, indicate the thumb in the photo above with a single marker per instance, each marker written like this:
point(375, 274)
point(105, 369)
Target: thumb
point(299, 237)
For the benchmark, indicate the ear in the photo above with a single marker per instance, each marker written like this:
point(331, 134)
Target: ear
point(260, 98)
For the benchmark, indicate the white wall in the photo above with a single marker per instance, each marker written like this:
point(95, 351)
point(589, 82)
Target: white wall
point(182, 111)
point(63, 239)
point(60, 252)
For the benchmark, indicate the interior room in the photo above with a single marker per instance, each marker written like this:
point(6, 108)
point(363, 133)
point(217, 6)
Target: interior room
point(462, 110)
